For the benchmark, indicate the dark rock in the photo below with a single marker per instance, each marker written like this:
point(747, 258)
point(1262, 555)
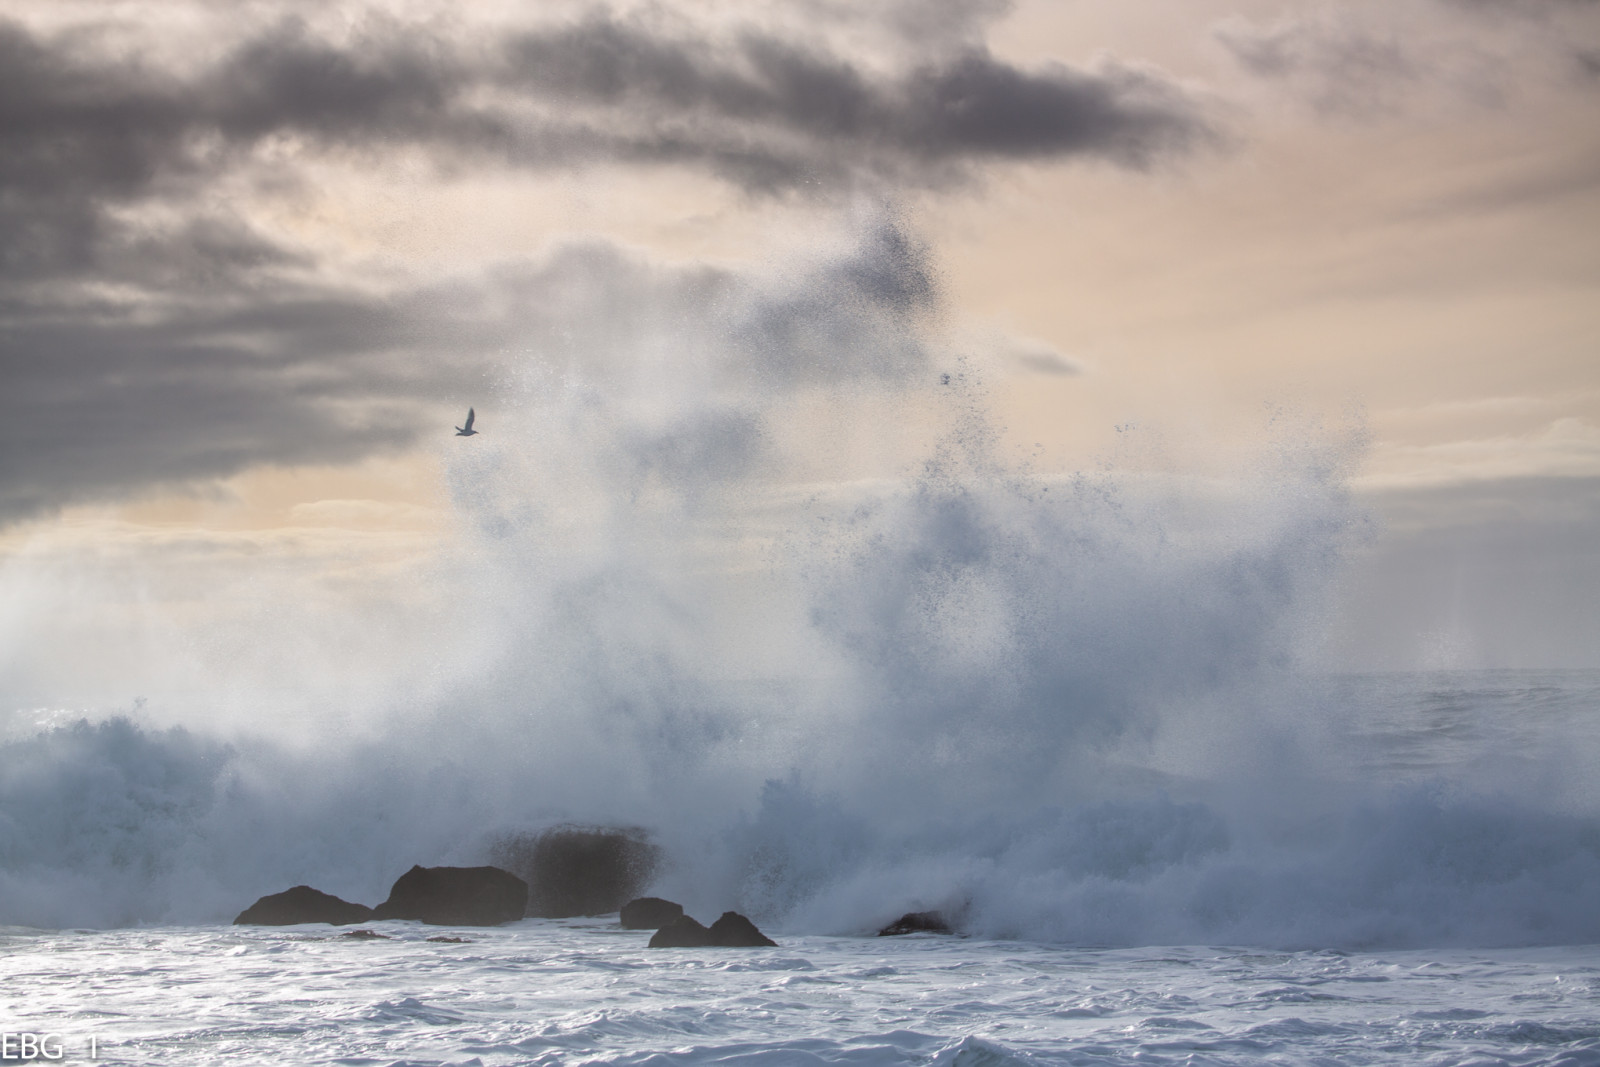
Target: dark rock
point(735, 931)
point(917, 922)
point(682, 932)
point(649, 913)
point(731, 931)
point(579, 870)
point(366, 935)
point(456, 896)
point(442, 940)
point(302, 904)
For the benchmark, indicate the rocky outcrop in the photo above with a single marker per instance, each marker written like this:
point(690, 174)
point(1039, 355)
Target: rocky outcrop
point(456, 896)
point(731, 931)
point(579, 870)
point(735, 931)
point(682, 932)
point(918, 922)
point(649, 913)
point(302, 904)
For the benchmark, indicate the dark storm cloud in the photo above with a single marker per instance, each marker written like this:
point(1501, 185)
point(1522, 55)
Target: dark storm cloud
point(83, 128)
point(148, 334)
point(82, 133)
point(766, 111)
point(102, 400)
point(77, 123)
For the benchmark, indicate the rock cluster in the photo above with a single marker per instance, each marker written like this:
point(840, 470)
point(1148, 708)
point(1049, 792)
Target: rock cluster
point(731, 931)
point(560, 872)
point(440, 896)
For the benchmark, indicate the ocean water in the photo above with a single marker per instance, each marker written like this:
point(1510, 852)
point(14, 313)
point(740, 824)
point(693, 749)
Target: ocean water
point(1419, 927)
point(557, 992)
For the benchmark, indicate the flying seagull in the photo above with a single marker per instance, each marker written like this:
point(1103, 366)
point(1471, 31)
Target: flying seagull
point(467, 430)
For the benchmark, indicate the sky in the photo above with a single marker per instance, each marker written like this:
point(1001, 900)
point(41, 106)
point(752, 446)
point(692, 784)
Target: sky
point(256, 261)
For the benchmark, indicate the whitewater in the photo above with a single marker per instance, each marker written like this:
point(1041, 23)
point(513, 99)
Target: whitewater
point(743, 563)
point(571, 991)
point(1424, 930)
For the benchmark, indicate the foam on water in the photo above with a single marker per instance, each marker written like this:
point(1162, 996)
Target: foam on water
point(740, 560)
point(548, 993)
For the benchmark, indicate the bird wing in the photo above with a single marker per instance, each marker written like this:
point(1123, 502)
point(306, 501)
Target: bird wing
point(470, 416)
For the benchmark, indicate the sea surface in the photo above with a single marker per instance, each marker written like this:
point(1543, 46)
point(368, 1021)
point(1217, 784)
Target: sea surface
point(565, 991)
point(1433, 898)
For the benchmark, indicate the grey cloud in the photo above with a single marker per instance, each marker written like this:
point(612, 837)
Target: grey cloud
point(926, 22)
point(1360, 63)
point(1337, 64)
point(801, 114)
point(1569, 25)
point(1049, 363)
point(1040, 357)
point(82, 132)
point(1524, 8)
point(104, 400)
point(915, 25)
point(148, 335)
point(758, 108)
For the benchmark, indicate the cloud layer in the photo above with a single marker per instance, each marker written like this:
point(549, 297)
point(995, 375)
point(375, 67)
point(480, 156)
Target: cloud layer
point(103, 399)
point(149, 332)
point(87, 128)
point(1367, 61)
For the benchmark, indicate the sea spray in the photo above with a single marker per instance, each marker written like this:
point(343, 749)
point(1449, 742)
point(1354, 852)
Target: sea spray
point(839, 685)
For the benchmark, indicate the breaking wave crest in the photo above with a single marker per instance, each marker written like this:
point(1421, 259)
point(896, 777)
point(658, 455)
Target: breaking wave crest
point(1060, 708)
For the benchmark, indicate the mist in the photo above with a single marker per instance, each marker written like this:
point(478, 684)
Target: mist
point(743, 559)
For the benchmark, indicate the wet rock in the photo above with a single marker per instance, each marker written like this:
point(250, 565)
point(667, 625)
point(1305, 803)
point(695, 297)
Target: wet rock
point(649, 913)
point(731, 931)
point(735, 931)
point(682, 932)
point(442, 940)
point(918, 922)
point(366, 935)
point(302, 904)
point(456, 896)
point(579, 870)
